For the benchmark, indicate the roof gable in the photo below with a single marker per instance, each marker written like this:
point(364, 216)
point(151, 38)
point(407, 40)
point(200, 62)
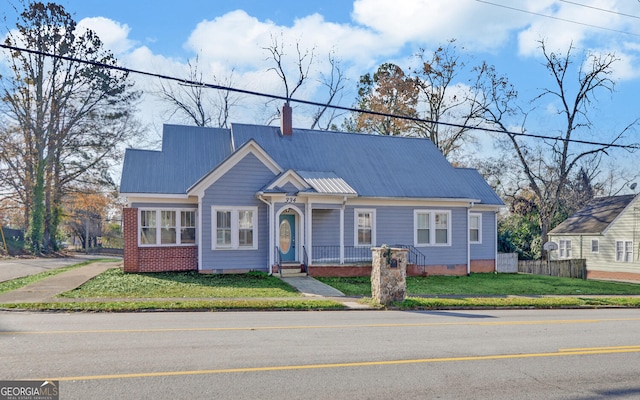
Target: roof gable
point(289, 177)
point(250, 147)
point(596, 217)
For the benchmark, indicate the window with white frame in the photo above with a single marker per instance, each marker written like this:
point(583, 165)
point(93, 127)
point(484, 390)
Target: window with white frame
point(624, 250)
point(365, 227)
point(595, 245)
point(147, 226)
point(564, 248)
point(432, 228)
point(475, 228)
point(160, 227)
point(187, 227)
point(423, 233)
point(235, 228)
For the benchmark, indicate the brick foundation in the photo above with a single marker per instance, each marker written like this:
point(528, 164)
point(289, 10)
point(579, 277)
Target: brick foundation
point(153, 259)
point(483, 266)
point(622, 276)
point(453, 269)
point(477, 266)
point(340, 270)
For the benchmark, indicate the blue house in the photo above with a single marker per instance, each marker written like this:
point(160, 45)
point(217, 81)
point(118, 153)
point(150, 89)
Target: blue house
point(264, 197)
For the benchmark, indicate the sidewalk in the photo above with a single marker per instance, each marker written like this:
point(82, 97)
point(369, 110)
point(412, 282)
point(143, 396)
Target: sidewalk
point(46, 289)
point(13, 268)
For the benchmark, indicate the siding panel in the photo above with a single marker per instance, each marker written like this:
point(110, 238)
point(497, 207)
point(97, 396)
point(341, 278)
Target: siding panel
point(237, 188)
point(487, 249)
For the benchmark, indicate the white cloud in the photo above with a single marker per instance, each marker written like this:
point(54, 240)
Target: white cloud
point(475, 24)
point(114, 36)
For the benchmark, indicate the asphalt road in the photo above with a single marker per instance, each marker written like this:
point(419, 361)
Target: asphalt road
point(503, 354)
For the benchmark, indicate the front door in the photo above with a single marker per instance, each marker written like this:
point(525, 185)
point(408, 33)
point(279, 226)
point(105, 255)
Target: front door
point(287, 241)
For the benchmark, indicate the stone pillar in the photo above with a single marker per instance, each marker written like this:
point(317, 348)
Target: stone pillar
point(388, 274)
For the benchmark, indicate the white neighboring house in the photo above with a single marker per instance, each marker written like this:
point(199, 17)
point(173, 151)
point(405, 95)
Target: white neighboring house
point(606, 233)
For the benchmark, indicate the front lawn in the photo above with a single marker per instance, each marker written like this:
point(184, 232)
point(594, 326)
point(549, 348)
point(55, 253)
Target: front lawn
point(490, 284)
point(114, 283)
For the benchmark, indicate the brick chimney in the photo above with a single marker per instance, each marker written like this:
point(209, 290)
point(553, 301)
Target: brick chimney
point(286, 125)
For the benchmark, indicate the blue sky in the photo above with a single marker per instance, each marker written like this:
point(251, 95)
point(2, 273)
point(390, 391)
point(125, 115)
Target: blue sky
point(229, 38)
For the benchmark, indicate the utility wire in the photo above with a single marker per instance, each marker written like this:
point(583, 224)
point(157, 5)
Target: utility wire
point(556, 18)
point(312, 103)
point(600, 9)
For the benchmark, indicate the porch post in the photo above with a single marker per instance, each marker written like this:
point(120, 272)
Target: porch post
point(342, 234)
point(272, 242)
point(308, 238)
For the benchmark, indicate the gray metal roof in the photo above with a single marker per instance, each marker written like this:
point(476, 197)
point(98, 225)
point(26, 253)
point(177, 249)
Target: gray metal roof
point(188, 153)
point(594, 218)
point(370, 165)
point(326, 182)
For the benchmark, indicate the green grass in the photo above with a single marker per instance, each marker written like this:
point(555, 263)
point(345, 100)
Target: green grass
point(491, 284)
point(414, 303)
point(182, 305)
point(27, 280)
point(114, 283)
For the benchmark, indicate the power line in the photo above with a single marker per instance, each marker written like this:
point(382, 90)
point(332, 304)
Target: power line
point(312, 103)
point(556, 18)
point(600, 9)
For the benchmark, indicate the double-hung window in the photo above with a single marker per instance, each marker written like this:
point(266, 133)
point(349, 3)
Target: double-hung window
point(167, 227)
point(148, 227)
point(595, 246)
point(432, 228)
point(624, 250)
point(365, 227)
point(235, 228)
point(564, 248)
point(475, 228)
point(187, 227)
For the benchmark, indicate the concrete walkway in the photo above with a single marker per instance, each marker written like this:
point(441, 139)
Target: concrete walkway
point(45, 290)
point(12, 268)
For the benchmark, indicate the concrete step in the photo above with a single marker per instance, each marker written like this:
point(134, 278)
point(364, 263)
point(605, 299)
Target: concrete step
point(290, 272)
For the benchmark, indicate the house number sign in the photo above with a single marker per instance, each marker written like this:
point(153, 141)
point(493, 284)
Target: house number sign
point(290, 199)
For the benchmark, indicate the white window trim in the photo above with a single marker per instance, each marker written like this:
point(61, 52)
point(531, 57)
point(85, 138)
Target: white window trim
point(598, 245)
point(432, 228)
point(357, 211)
point(624, 251)
point(235, 245)
point(562, 247)
point(479, 216)
point(158, 212)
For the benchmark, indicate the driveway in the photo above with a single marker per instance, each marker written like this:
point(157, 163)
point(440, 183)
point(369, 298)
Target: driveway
point(12, 268)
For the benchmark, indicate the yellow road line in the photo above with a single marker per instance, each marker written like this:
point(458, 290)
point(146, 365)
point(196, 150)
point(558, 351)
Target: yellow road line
point(561, 353)
point(349, 326)
point(598, 348)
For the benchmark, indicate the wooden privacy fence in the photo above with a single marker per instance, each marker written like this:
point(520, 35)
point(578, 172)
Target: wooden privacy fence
point(507, 262)
point(561, 268)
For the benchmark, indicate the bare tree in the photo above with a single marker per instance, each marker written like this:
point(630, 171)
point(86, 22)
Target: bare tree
point(198, 104)
point(443, 100)
point(277, 55)
point(548, 164)
point(334, 83)
point(64, 120)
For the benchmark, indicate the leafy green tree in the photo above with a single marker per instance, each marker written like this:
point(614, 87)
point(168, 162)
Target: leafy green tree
point(65, 120)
